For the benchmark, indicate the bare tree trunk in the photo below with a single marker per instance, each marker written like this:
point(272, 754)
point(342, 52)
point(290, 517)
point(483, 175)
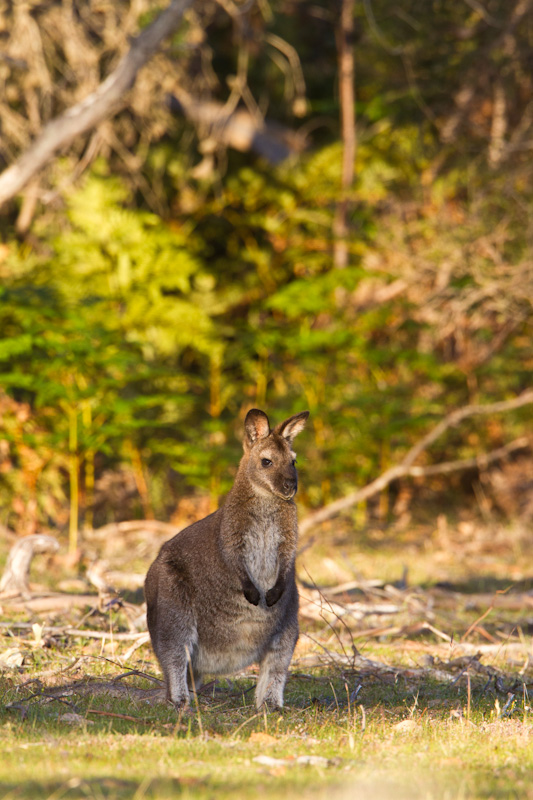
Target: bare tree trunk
point(99, 105)
point(498, 126)
point(347, 104)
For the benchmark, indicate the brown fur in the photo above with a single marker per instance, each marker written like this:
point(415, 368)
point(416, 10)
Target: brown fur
point(222, 593)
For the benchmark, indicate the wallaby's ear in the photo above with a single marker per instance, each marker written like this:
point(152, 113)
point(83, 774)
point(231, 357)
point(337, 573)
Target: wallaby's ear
point(256, 426)
point(292, 426)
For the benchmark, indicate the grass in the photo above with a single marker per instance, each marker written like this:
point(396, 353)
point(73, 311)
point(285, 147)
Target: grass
point(93, 736)
point(79, 721)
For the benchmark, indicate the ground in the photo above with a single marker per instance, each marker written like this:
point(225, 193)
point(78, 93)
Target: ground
point(411, 679)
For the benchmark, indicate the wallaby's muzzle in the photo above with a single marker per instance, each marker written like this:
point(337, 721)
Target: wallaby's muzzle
point(289, 487)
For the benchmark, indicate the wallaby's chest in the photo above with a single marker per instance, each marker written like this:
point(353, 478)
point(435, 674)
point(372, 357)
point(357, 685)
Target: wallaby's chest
point(261, 552)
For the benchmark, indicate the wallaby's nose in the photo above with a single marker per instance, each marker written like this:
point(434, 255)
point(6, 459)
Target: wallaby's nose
point(289, 485)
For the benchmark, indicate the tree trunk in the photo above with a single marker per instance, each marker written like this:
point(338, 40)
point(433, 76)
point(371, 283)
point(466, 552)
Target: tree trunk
point(347, 104)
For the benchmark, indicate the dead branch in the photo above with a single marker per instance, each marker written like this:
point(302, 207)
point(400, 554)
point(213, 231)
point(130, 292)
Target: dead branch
point(53, 602)
point(153, 526)
point(97, 106)
point(15, 580)
point(406, 466)
point(65, 630)
point(477, 462)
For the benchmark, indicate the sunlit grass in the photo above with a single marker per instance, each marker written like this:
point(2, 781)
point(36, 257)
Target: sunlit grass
point(70, 727)
point(394, 738)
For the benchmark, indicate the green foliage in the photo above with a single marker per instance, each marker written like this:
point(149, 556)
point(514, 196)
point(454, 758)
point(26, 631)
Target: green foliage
point(138, 340)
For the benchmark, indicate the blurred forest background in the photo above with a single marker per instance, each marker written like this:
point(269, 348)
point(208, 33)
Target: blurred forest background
point(299, 204)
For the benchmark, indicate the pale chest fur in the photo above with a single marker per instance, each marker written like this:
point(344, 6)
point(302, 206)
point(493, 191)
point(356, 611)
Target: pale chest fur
point(261, 553)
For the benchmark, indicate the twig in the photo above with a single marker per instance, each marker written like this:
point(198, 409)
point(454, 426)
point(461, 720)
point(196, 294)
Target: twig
point(120, 716)
point(142, 640)
point(140, 674)
point(48, 673)
point(510, 698)
point(241, 726)
point(474, 625)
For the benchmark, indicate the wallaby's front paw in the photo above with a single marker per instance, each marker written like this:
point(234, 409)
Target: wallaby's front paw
point(273, 595)
point(252, 595)
point(251, 592)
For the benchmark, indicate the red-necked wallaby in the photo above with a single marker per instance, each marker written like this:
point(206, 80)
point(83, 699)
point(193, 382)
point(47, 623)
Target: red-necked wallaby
point(221, 594)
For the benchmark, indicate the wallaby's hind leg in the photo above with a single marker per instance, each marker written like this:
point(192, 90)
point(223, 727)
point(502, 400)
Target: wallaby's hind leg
point(274, 668)
point(176, 640)
point(175, 671)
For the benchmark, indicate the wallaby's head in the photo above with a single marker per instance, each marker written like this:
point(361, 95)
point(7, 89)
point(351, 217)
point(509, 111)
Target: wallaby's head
point(269, 460)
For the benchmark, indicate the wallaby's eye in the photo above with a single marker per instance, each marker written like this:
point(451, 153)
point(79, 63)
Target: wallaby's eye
point(266, 462)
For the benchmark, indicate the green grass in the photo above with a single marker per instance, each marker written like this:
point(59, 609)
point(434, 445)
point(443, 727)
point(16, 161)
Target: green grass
point(398, 739)
point(399, 730)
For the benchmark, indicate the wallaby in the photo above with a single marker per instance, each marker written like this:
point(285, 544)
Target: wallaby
point(221, 594)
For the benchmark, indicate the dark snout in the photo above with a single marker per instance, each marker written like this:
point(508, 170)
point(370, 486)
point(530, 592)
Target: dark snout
point(289, 485)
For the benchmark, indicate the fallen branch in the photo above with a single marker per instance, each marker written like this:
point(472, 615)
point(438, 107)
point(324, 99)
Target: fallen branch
point(53, 602)
point(65, 630)
point(99, 105)
point(406, 467)
point(153, 526)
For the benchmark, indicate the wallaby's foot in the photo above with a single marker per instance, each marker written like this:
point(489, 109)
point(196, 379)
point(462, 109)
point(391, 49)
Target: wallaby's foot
point(177, 689)
point(180, 703)
point(269, 690)
point(272, 707)
point(274, 668)
point(269, 702)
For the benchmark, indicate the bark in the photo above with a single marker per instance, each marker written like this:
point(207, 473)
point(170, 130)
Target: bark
point(347, 104)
